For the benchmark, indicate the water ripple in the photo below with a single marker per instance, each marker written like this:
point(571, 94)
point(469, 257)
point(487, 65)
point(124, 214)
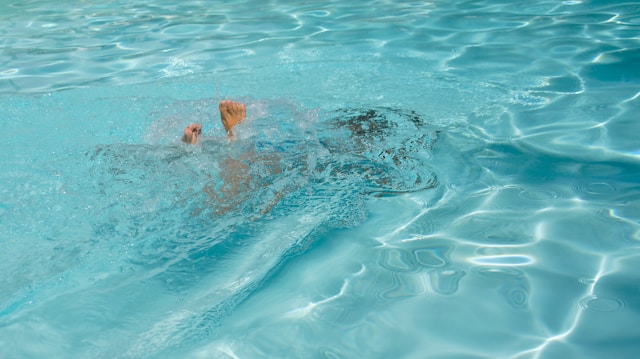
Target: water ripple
point(595, 189)
point(446, 280)
point(480, 39)
point(535, 107)
point(538, 194)
point(433, 256)
point(510, 260)
point(511, 283)
point(397, 261)
point(600, 304)
point(404, 286)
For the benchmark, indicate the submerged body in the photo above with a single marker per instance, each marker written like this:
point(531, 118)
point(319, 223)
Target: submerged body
point(377, 165)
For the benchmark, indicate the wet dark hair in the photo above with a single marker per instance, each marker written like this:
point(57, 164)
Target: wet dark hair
point(373, 122)
point(391, 143)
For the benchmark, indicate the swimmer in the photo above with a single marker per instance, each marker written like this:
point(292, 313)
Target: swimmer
point(231, 114)
point(236, 181)
point(367, 129)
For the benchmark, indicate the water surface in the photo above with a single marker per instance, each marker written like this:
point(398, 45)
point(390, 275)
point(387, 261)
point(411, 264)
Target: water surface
point(504, 225)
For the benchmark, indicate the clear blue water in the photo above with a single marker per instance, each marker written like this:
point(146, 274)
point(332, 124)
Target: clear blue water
point(504, 223)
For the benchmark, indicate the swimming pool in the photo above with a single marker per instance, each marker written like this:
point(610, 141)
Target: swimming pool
point(506, 227)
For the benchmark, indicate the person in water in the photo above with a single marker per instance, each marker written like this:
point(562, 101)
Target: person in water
point(231, 114)
point(237, 180)
point(389, 169)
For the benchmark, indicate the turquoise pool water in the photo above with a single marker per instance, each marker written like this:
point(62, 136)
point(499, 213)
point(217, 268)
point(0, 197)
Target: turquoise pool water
point(457, 179)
